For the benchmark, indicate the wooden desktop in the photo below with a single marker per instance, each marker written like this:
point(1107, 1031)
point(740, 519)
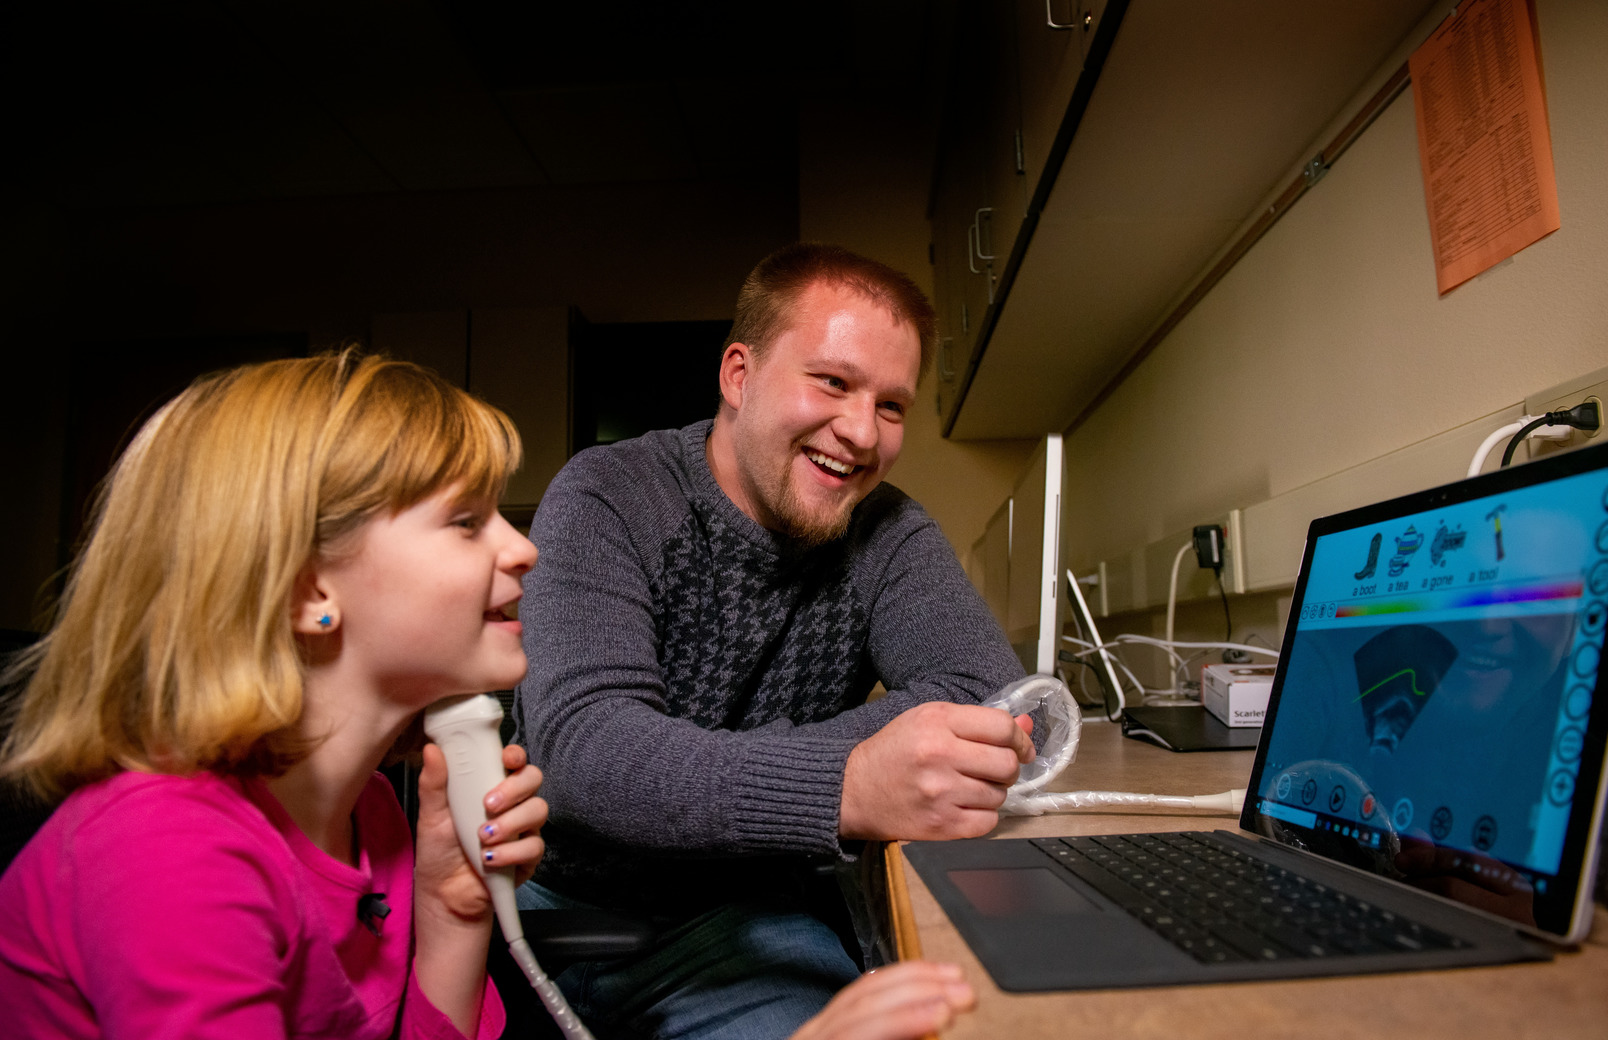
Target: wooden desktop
point(1567, 997)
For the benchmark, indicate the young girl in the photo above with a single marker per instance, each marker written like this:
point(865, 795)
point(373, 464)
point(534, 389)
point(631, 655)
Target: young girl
point(289, 563)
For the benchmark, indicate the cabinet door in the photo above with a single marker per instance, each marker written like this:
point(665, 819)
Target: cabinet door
point(1050, 61)
point(994, 72)
point(1089, 14)
point(954, 320)
point(964, 280)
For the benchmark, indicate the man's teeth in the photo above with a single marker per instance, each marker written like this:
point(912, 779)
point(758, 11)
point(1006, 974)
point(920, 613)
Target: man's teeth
point(829, 463)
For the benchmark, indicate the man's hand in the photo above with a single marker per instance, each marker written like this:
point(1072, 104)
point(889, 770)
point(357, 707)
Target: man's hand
point(936, 772)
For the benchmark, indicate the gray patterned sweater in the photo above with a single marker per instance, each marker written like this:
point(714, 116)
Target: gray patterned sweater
point(696, 682)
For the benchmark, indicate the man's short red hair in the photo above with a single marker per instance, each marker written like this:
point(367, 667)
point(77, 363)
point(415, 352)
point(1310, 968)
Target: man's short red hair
point(770, 294)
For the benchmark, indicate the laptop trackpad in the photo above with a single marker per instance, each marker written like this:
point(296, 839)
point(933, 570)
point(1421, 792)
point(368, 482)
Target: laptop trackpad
point(1018, 892)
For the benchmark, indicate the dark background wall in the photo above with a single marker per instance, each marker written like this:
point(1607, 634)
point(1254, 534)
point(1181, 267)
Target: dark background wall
point(195, 184)
point(131, 303)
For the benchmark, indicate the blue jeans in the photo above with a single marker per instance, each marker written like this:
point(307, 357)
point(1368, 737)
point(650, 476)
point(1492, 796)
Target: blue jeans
point(739, 972)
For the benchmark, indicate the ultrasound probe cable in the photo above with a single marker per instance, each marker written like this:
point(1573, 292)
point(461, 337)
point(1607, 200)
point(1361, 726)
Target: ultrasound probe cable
point(1027, 796)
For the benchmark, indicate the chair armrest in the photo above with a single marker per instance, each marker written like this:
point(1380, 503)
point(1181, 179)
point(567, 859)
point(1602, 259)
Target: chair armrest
point(583, 935)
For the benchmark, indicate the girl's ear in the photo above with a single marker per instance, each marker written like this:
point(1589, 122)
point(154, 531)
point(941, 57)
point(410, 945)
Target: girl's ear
point(313, 610)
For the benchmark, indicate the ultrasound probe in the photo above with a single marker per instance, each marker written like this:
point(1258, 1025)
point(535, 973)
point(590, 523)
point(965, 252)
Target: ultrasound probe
point(467, 729)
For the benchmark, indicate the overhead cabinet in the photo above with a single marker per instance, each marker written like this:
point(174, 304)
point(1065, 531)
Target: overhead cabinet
point(1016, 65)
point(1096, 156)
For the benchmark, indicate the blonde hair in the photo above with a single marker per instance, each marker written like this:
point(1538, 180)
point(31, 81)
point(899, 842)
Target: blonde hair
point(172, 649)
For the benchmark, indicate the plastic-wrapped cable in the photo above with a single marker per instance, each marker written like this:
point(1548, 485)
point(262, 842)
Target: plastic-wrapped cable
point(568, 1021)
point(1065, 801)
point(1026, 797)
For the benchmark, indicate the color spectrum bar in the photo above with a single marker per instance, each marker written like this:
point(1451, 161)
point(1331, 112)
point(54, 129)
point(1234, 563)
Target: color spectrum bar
point(1470, 598)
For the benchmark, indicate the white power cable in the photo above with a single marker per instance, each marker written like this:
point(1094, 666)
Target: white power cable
point(1104, 649)
point(1087, 648)
point(1027, 798)
point(1557, 433)
point(1104, 666)
point(1172, 605)
point(1148, 641)
point(1118, 662)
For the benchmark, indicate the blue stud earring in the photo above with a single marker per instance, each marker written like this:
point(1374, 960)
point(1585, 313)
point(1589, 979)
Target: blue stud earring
point(324, 620)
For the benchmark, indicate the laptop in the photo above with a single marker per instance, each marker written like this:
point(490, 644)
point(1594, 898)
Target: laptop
point(1428, 790)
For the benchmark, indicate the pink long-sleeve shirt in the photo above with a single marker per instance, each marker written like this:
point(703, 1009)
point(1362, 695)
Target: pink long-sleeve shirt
point(152, 905)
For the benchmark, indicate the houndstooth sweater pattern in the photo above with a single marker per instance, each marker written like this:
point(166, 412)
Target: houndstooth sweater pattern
point(697, 681)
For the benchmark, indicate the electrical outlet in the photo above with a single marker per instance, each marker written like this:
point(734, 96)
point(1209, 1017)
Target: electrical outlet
point(1591, 386)
point(1136, 578)
point(1140, 579)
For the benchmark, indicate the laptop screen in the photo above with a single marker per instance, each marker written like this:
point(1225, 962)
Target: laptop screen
point(1437, 717)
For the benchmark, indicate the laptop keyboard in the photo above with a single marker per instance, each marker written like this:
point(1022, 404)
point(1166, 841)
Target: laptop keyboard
point(1218, 904)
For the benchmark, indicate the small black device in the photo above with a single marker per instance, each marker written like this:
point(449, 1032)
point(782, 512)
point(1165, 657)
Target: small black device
point(1187, 727)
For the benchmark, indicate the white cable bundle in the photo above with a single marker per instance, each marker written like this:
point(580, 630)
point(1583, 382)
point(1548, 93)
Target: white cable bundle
point(1026, 797)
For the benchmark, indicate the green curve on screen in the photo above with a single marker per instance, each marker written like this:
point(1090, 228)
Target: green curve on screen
point(1413, 682)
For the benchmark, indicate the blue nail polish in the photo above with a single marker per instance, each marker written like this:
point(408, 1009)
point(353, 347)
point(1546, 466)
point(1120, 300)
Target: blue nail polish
point(489, 855)
point(489, 829)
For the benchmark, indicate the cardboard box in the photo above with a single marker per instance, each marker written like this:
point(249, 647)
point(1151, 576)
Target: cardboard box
point(1237, 693)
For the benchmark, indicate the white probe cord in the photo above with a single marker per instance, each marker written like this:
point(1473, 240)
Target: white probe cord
point(1026, 797)
point(569, 1023)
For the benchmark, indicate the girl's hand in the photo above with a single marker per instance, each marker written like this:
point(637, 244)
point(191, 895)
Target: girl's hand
point(444, 879)
point(900, 1002)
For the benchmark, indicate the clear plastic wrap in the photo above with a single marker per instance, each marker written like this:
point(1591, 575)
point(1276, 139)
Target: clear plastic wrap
point(1027, 796)
point(1063, 801)
point(1060, 747)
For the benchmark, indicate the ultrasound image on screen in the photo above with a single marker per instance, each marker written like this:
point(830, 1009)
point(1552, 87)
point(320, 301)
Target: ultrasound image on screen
point(1397, 672)
point(1406, 708)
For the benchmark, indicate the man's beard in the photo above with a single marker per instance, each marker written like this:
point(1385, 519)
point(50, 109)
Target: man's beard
point(806, 527)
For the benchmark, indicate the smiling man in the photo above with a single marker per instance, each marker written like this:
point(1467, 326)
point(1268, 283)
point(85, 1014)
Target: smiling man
point(711, 608)
point(802, 438)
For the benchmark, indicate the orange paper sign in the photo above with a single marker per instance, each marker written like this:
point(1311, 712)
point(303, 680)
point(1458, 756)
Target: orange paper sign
point(1483, 139)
